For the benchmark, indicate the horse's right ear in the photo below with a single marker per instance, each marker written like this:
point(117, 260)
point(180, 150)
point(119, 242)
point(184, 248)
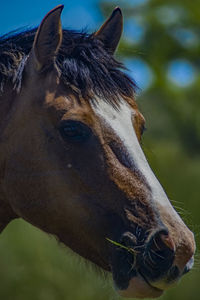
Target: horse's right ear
point(48, 39)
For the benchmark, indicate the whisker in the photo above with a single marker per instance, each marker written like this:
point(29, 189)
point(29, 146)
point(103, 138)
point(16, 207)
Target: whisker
point(132, 265)
point(139, 247)
point(148, 263)
point(175, 201)
point(156, 243)
point(151, 258)
point(182, 211)
point(145, 261)
point(157, 254)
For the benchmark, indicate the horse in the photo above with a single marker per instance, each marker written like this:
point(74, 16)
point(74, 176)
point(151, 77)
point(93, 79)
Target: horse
point(71, 161)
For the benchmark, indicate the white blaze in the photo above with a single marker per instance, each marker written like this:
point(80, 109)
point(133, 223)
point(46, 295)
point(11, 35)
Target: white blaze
point(120, 120)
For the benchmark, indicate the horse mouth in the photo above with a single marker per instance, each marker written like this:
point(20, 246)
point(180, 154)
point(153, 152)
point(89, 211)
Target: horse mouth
point(129, 279)
point(140, 287)
point(142, 271)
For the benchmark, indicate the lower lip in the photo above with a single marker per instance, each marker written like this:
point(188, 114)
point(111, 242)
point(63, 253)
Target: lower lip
point(139, 288)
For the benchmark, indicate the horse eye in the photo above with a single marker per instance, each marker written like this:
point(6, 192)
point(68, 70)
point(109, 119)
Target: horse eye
point(143, 129)
point(74, 131)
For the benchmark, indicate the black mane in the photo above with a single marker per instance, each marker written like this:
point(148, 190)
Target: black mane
point(82, 59)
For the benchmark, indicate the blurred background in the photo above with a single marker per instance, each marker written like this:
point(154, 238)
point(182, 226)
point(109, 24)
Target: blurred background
point(161, 49)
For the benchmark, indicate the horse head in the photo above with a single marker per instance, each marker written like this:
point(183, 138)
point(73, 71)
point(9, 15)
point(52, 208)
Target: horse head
point(74, 166)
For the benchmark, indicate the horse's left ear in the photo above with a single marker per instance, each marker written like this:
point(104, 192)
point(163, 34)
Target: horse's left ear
point(48, 39)
point(111, 31)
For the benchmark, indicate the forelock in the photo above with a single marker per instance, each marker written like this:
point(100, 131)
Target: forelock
point(83, 61)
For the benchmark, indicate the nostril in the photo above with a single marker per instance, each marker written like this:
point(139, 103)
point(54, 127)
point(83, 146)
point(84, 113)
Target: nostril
point(188, 266)
point(158, 256)
point(161, 241)
point(167, 240)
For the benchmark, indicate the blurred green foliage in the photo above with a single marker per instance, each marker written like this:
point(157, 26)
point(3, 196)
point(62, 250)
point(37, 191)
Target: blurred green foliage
point(171, 32)
point(33, 265)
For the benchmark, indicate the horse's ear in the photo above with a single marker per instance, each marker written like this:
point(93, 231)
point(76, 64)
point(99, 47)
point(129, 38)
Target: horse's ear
point(48, 39)
point(111, 31)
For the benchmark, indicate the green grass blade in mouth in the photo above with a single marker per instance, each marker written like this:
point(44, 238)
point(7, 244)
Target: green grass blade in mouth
point(129, 249)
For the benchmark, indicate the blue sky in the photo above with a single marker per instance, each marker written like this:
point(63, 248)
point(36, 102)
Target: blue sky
point(76, 14)
point(79, 14)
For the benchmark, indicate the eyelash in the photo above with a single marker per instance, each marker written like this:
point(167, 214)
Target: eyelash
point(143, 129)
